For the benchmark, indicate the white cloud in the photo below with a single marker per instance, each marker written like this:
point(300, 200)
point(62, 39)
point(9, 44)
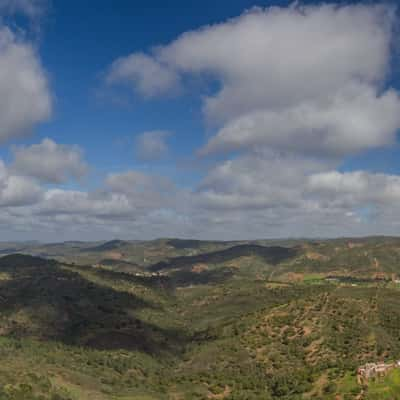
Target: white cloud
point(16, 191)
point(258, 181)
point(25, 99)
point(125, 203)
point(277, 57)
point(19, 191)
point(254, 196)
point(356, 189)
point(49, 161)
point(125, 195)
point(89, 205)
point(354, 120)
point(306, 79)
point(151, 145)
point(143, 73)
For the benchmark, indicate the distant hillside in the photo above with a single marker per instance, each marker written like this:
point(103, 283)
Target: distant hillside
point(108, 246)
point(121, 265)
point(194, 244)
point(10, 250)
point(272, 255)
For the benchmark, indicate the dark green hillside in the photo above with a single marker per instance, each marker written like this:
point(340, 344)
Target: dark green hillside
point(44, 300)
point(108, 246)
point(190, 244)
point(271, 255)
point(16, 262)
point(121, 265)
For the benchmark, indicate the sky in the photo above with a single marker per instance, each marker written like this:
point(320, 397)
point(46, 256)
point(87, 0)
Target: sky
point(225, 120)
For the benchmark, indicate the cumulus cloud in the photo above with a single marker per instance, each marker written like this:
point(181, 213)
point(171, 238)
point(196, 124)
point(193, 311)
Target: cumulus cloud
point(151, 145)
point(258, 196)
point(261, 180)
point(357, 189)
point(143, 73)
point(25, 98)
point(123, 203)
point(249, 197)
point(16, 191)
point(19, 191)
point(86, 204)
point(291, 77)
point(278, 57)
point(127, 204)
point(49, 161)
point(354, 120)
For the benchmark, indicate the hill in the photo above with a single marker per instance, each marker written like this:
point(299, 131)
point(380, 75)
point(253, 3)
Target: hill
point(242, 321)
point(107, 246)
point(271, 255)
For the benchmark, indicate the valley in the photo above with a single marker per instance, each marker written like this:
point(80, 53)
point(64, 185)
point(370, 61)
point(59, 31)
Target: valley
point(179, 319)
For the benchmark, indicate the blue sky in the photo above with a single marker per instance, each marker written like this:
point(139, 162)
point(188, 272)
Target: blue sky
point(229, 119)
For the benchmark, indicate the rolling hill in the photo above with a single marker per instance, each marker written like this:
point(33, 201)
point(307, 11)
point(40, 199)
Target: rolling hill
point(240, 321)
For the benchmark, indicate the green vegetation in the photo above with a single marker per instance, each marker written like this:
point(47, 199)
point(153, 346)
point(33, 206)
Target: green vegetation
point(200, 320)
point(386, 388)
